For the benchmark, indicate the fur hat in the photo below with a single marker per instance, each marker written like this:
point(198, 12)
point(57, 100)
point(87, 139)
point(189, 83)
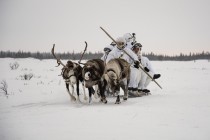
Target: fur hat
point(137, 45)
point(121, 43)
point(108, 48)
point(113, 43)
point(128, 37)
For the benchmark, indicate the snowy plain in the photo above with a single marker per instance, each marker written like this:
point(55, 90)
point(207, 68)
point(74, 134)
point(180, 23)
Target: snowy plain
point(41, 109)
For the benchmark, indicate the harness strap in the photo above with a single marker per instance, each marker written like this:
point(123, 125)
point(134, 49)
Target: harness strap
point(111, 70)
point(66, 77)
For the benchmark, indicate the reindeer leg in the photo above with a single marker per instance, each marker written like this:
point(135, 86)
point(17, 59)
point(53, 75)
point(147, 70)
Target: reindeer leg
point(71, 96)
point(124, 86)
point(102, 89)
point(118, 99)
point(85, 97)
point(77, 88)
point(90, 95)
point(96, 92)
point(72, 87)
point(118, 95)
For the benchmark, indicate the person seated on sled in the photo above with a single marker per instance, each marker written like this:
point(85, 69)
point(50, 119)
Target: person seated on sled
point(145, 79)
point(107, 50)
point(134, 73)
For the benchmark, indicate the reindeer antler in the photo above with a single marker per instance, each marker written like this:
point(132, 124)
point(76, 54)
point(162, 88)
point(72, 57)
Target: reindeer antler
point(83, 53)
point(58, 59)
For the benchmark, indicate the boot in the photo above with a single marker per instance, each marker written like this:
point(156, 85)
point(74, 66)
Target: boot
point(146, 91)
point(156, 76)
point(133, 93)
point(140, 92)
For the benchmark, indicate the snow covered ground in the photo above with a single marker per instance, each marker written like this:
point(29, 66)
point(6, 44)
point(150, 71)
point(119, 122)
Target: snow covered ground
point(40, 108)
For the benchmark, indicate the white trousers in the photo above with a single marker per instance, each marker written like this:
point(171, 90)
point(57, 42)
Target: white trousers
point(145, 80)
point(135, 77)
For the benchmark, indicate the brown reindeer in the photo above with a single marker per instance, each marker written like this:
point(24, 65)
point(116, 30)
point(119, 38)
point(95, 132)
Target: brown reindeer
point(92, 73)
point(116, 75)
point(72, 74)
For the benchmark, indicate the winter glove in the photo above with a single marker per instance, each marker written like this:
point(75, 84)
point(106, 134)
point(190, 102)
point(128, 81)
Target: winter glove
point(146, 69)
point(136, 64)
point(156, 76)
point(140, 60)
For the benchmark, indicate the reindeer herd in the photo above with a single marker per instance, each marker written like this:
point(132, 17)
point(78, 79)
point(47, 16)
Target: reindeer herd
point(104, 77)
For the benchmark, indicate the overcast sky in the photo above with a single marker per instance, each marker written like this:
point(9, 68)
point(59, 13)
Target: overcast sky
point(161, 26)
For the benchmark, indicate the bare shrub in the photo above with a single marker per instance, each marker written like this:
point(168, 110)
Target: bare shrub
point(14, 66)
point(26, 76)
point(4, 87)
point(40, 83)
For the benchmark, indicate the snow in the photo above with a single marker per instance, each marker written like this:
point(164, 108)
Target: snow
point(40, 108)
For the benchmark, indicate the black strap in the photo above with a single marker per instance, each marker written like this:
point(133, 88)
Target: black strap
point(111, 70)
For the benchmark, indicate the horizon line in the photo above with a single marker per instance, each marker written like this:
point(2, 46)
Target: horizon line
point(206, 52)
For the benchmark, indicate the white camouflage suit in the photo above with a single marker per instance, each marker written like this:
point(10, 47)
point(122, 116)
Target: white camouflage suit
point(145, 79)
point(117, 53)
point(106, 53)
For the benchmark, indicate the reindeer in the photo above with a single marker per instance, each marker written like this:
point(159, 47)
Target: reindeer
point(92, 73)
point(116, 75)
point(72, 74)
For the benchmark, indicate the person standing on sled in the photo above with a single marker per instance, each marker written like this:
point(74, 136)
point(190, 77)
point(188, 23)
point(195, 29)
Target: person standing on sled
point(130, 39)
point(145, 79)
point(107, 50)
point(134, 74)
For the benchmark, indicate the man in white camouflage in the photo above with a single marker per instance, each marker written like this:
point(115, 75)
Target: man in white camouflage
point(145, 79)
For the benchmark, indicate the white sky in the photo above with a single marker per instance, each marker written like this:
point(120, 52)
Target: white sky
point(161, 26)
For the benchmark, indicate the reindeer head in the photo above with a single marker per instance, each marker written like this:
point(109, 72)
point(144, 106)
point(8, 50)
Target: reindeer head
point(90, 72)
point(68, 70)
point(112, 79)
point(68, 73)
point(90, 75)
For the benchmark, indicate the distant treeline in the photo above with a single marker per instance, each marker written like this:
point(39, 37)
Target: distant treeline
point(47, 55)
point(90, 55)
point(180, 57)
